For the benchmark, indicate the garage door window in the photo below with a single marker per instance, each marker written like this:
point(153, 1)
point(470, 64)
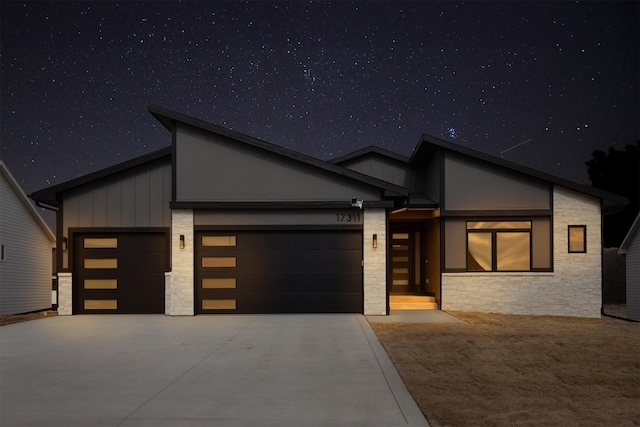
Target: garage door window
point(101, 242)
point(101, 263)
point(224, 241)
point(101, 283)
point(218, 261)
point(218, 304)
point(100, 304)
point(220, 283)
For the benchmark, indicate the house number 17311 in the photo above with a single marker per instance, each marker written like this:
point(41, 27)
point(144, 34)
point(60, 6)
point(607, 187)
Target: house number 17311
point(348, 217)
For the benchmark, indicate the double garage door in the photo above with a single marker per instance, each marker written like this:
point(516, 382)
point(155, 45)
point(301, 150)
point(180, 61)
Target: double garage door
point(120, 272)
point(279, 271)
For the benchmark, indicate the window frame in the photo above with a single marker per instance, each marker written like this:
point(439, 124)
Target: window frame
point(584, 239)
point(494, 246)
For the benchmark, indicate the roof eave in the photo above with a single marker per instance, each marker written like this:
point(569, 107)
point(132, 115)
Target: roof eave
point(27, 204)
point(49, 195)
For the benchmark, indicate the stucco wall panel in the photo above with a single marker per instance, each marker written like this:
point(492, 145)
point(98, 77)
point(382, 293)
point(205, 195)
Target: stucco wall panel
point(215, 168)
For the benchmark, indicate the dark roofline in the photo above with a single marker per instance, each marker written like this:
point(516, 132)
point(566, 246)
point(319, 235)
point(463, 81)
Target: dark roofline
point(372, 149)
point(48, 195)
point(610, 200)
point(168, 117)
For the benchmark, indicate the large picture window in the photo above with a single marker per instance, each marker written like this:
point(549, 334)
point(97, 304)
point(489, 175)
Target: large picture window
point(498, 245)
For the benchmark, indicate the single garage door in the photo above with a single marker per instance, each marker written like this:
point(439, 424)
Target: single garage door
point(301, 271)
point(120, 272)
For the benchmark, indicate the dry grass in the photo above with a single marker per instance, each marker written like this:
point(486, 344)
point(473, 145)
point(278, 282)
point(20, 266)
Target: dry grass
point(503, 370)
point(8, 319)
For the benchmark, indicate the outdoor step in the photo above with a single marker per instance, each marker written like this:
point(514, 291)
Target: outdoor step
point(412, 302)
point(413, 306)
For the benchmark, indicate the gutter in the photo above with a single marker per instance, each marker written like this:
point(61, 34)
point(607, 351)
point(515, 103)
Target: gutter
point(46, 206)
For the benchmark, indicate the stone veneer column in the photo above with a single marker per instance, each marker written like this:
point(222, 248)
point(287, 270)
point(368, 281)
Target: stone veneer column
point(65, 296)
point(179, 286)
point(375, 262)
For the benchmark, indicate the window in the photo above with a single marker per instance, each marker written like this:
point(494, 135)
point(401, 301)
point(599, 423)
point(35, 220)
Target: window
point(2, 253)
point(577, 238)
point(499, 246)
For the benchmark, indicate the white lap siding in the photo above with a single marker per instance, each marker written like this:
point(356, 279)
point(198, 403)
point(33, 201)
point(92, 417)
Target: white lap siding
point(574, 288)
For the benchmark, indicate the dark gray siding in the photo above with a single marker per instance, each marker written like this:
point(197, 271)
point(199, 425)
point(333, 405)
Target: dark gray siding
point(381, 167)
point(214, 168)
point(25, 274)
point(475, 185)
point(284, 218)
point(136, 198)
point(455, 246)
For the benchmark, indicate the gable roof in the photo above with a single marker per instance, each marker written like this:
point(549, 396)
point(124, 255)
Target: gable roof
point(26, 202)
point(428, 144)
point(48, 195)
point(168, 118)
point(372, 149)
point(633, 231)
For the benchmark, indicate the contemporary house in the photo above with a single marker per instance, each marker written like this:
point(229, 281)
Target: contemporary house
point(26, 251)
point(630, 248)
point(220, 222)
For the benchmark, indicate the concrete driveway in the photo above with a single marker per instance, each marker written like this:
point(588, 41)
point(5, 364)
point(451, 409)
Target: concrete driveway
point(236, 370)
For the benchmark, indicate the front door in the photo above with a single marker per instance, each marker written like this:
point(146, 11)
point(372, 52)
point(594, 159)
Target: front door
point(403, 264)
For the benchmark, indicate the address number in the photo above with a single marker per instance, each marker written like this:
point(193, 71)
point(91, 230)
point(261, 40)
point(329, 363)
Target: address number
point(348, 217)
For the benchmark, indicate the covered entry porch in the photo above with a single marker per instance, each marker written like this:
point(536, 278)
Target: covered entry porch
point(414, 259)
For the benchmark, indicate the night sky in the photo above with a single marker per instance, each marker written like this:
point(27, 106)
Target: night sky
point(540, 84)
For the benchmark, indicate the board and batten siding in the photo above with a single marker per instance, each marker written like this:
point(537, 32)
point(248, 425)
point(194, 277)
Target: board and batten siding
point(138, 198)
point(25, 273)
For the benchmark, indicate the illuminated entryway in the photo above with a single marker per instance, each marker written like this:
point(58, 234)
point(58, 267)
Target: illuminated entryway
point(414, 253)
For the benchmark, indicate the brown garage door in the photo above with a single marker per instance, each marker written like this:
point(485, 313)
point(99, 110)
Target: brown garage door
point(120, 272)
point(301, 271)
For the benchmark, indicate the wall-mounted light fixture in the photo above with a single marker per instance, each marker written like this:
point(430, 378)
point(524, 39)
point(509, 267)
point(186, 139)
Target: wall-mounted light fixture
point(182, 241)
point(64, 243)
point(374, 241)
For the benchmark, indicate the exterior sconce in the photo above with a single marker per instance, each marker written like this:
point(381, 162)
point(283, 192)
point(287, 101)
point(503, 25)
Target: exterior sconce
point(374, 242)
point(64, 244)
point(182, 241)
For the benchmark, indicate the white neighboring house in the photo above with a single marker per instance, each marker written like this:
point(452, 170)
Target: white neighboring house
point(26, 245)
point(630, 248)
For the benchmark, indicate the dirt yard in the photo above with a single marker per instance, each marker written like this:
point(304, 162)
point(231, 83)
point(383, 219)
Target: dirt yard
point(505, 370)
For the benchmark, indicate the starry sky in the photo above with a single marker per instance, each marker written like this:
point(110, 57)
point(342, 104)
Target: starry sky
point(541, 84)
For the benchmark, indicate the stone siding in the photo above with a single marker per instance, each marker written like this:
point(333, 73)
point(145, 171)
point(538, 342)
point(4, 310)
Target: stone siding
point(179, 286)
point(574, 288)
point(65, 294)
point(375, 262)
